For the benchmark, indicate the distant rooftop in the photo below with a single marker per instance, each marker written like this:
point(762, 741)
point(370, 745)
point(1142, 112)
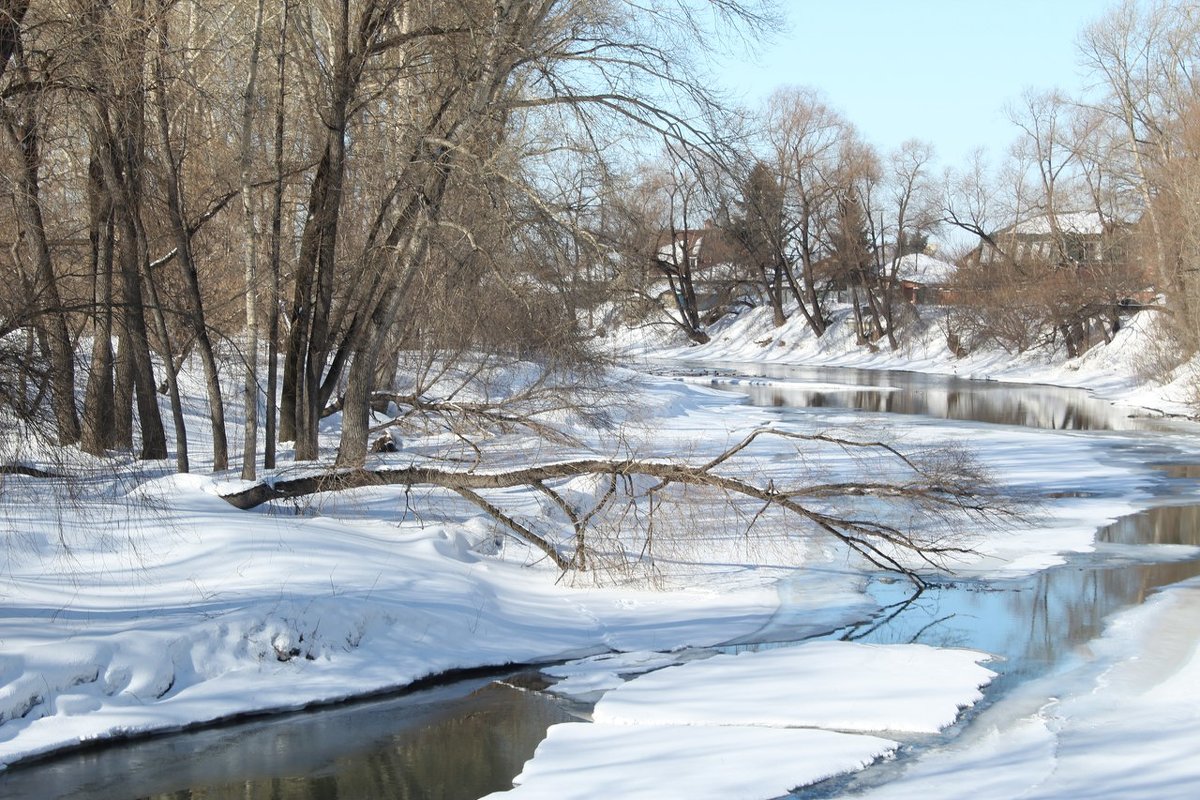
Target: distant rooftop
point(1077, 222)
point(924, 270)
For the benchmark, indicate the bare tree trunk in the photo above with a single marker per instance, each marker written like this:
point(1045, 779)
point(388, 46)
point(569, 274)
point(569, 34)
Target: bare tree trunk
point(158, 314)
point(98, 404)
point(250, 388)
point(276, 242)
point(154, 438)
point(946, 489)
point(22, 141)
point(123, 380)
point(360, 384)
point(187, 264)
point(118, 131)
point(810, 303)
point(409, 241)
point(308, 347)
point(776, 292)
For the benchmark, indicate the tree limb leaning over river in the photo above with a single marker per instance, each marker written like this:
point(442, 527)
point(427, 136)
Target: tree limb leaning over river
point(944, 483)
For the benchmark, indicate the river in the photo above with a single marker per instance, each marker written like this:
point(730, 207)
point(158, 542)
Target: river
point(469, 738)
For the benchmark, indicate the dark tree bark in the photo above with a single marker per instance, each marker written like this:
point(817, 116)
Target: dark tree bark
point(99, 420)
point(118, 129)
point(22, 137)
point(183, 245)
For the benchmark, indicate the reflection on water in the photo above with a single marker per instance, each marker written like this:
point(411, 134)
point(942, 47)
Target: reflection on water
point(452, 744)
point(937, 396)
point(1032, 624)
point(1166, 525)
point(1035, 622)
point(1188, 472)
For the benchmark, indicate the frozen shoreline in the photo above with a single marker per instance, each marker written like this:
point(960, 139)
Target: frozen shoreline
point(168, 608)
point(1114, 371)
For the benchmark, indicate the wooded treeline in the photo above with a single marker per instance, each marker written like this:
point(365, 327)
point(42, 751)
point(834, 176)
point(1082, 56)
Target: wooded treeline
point(806, 208)
point(304, 190)
point(337, 202)
point(1090, 214)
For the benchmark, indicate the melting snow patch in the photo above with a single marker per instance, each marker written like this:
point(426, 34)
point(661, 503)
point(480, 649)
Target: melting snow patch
point(748, 725)
point(838, 685)
point(578, 761)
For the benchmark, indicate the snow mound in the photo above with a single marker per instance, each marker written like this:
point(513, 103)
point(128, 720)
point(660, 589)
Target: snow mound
point(579, 761)
point(838, 685)
point(748, 725)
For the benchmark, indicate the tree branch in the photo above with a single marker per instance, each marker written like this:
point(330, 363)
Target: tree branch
point(879, 543)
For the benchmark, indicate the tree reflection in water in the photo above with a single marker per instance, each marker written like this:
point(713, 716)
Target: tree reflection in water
point(916, 394)
point(431, 747)
point(1035, 622)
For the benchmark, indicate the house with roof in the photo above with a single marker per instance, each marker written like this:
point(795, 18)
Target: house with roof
point(924, 279)
point(1072, 239)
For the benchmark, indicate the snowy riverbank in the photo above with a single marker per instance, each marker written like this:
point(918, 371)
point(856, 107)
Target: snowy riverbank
point(134, 600)
point(1122, 371)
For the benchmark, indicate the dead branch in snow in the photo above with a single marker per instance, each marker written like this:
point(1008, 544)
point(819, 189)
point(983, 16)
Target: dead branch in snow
point(480, 416)
point(938, 485)
point(28, 472)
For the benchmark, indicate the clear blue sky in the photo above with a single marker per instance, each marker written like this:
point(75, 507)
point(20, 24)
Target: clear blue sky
point(938, 70)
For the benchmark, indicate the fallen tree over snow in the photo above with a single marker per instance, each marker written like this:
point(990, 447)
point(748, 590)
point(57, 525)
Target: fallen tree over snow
point(942, 484)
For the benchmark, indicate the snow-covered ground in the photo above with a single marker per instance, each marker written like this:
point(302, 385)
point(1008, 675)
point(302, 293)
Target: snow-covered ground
point(754, 724)
point(135, 600)
point(1121, 371)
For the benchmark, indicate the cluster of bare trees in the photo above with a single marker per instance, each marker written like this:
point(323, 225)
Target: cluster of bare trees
point(366, 206)
point(1057, 260)
point(305, 192)
point(1090, 214)
point(1147, 57)
point(1095, 209)
point(804, 208)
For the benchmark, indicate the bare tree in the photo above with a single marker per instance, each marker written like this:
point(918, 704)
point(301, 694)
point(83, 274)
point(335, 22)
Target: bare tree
point(20, 117)
point(805, 138)
point(907, 215)
point(1145, 58)
point(114, 45)
point(667, 211)
point(250, 387)
point(762, 231)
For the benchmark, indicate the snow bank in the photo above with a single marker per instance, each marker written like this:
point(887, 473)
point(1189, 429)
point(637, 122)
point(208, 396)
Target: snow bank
point(597, 762)
point(836, 685)
point(1115, 371)
point(750, 725)
point(178, 609)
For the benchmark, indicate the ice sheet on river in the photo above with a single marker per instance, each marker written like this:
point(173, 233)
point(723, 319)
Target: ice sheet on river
point(1125, 727)
point(652, 762)
point(754, 724)
point(836, 685)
